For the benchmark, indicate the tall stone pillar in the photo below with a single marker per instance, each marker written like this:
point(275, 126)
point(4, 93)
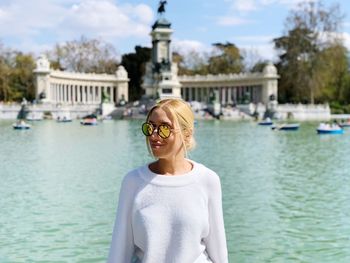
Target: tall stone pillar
point(42, 79)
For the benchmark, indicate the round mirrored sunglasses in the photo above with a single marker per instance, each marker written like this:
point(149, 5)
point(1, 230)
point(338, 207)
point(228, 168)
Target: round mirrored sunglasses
point(163, 130)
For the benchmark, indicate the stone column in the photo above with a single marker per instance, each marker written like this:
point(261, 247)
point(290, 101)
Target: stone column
point(229, 95)
point(53, 93)
point(111, 95)
point(93, 94)
point(99, 94)
point(223, 95)
point(56, 92)
point(64, 87)
point(67, 93)
point(74, 93)
point(59, 93)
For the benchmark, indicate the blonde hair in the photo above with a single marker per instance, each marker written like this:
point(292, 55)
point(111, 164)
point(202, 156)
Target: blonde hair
point(183, 116)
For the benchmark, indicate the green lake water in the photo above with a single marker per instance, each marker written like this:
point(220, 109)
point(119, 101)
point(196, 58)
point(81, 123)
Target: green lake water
point(286, 195)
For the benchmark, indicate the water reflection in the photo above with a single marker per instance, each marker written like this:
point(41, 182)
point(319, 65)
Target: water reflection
point(285, 195)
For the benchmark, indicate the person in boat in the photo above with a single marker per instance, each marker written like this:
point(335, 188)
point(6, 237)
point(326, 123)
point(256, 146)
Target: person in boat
point(169, 210)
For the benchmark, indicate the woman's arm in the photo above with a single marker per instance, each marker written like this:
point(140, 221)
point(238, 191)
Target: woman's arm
point(122, 246)
point(216, 240)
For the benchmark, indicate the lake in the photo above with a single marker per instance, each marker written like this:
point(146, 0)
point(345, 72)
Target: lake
point(286, 195)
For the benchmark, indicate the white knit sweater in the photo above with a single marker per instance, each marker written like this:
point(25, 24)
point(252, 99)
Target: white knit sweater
point(169, 219)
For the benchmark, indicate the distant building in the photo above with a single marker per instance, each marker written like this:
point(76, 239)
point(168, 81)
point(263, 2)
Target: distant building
point(161, 79)
point(62, 87)
point(232, 88)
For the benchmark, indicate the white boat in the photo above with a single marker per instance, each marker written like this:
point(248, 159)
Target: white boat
point(21, 125)
point(266, 122)
point(89, 120)
point(64, 116)
point(286, 127)
point(325, 128)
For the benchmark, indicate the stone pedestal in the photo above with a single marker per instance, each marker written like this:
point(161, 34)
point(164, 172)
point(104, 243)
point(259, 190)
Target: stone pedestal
point(107, 108)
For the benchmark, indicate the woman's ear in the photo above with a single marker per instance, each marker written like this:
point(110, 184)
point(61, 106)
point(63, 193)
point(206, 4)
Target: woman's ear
point(187, 135)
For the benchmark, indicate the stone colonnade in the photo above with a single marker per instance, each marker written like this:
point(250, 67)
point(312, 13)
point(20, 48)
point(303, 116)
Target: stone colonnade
point(231, 88)
point(82, 93)
point(81, 88)
point(63, 87)
point(227, 94)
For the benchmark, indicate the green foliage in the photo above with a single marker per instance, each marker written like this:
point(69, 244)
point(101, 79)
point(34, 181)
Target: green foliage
point(228, 60)
point(338, 108)
point(259, 66)
point(224, 59)
point(134, 64)
point(16, 77)
point(309, 54)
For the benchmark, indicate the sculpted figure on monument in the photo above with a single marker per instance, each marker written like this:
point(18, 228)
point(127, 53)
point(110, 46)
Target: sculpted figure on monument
point(161, 8)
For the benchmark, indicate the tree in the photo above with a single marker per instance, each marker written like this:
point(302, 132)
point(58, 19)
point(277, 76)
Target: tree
point(5, 91)
point(16, 75)
point(311, 29)
point(5, 71)
point(226, 60)
point(84, 55)
point(189, 64)
point(22, 82)
point(336, 75)
point(253, 62)
point(135, 63)
point(259, 66)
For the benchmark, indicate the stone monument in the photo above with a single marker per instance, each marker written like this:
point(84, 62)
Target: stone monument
point(160, 79)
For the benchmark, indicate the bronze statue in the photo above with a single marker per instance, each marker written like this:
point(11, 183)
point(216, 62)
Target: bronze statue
point(161, 8)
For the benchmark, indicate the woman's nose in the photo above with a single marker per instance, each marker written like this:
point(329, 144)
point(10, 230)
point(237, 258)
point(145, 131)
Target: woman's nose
point(155, 134)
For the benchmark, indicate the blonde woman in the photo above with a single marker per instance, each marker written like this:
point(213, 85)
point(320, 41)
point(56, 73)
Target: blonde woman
point(170, 211)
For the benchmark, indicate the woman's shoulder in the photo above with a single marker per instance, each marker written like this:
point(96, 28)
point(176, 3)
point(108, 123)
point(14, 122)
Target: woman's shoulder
point(207, 175)
point(133, 178)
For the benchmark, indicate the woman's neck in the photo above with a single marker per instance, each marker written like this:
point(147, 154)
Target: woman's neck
point(173, 166)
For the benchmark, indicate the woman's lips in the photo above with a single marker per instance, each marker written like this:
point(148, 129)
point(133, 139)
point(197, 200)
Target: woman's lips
point(156, 145)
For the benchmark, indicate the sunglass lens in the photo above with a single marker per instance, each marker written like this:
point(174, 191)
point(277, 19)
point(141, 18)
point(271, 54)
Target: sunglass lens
point(147, 129)
point(164, 131)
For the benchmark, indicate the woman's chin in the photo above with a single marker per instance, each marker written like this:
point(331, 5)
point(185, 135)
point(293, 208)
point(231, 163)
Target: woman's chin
point(156, 153)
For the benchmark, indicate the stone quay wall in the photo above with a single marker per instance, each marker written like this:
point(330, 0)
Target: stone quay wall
point(10, 111)
point(304, 112)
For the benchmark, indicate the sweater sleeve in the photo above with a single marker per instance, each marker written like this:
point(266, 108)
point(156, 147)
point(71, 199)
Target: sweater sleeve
point(122, 245)
point(216, 240)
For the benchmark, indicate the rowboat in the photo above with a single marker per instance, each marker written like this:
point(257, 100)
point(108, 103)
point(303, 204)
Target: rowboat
point(21, 125)
point(286, 127)
point(266, 122)
point(325, 128)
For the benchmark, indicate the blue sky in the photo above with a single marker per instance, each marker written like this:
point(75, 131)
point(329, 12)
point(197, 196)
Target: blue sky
point(36, 25)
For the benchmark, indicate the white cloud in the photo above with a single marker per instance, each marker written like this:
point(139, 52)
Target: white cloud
point(68, 19)
point(232, 21)
point(254, 39)
point(186, 46)
point(264, 51)
point(246, 6)
point(103, 18)
point(346, 38)
point(2, 14)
